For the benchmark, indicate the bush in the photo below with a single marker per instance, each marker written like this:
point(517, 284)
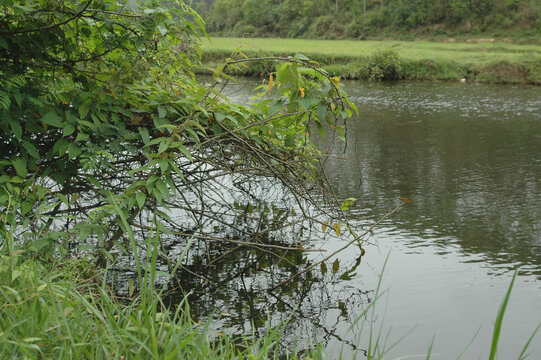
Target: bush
point(384, 65)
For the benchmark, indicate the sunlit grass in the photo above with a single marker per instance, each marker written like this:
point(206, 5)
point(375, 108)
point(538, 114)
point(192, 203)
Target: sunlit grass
point(461, 52)
point(489, 62)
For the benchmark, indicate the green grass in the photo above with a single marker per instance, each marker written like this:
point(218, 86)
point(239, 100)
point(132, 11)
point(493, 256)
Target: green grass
point(463, 53)
point(498, 62)
point(49, 311)
point(66, 310)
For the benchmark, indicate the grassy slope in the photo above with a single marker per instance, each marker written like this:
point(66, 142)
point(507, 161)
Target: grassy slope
point(485, 61)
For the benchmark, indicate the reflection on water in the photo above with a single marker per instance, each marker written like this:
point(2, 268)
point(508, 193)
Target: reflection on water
point(468, 157)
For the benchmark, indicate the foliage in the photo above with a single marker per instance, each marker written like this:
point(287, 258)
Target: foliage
point(383, 65)
point(328, 19)
point(106, 133)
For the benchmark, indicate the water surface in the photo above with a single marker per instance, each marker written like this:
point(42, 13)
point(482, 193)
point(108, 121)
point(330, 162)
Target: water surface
point(468, 157)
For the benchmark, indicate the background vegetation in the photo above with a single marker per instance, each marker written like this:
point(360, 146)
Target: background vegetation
point(404, 19)
point(496, 62)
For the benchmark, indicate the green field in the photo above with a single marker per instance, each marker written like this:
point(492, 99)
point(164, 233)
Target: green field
point(479, 60)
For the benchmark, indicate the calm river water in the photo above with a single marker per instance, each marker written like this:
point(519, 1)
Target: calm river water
point(468, 157)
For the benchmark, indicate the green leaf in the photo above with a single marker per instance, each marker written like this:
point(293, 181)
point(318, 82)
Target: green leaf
point(31, 149)
point(84, 231)
point(216, 129)
point(62, 198)
point(26, 206)
point(83, 110)
point(53, 119)
point(276, 107)
point(40, 243)
point(20, 166)
point(321, 112)
point(144, 135)
point(162, 187)
point(68, 130)
point(323, 268)
point(15, 274)
point(15, 127)
point(164, 145)
point(115, 80)
point(74, 151)
point(185, 151)
point(164, 165)
point(301, 57)
point(347, 203)
point(141, 198)
point(499, 319)
point(162, 112)
point(81, 137)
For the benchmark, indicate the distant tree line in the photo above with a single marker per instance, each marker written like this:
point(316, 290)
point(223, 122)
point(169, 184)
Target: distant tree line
point(366, 18)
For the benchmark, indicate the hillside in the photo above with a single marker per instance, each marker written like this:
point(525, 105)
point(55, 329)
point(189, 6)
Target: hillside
point(518, 20)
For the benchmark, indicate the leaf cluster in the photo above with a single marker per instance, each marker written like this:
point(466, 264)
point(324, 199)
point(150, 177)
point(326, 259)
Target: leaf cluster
point(105, 130)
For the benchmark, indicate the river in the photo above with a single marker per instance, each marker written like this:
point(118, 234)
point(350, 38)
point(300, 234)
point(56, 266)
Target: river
point(468, 158)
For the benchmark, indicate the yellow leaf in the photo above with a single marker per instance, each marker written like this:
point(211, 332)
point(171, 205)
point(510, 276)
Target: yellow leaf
point(323, 268)
point(271, 83)
point(325, 226)
point(113, 93)
point(333, 107)
point(337, 229)
point(301, 90)
point(336, 81)
point(335, 266)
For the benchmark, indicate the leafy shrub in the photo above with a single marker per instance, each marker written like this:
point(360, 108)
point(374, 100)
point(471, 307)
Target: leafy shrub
point(353, 30)
point(384, 65)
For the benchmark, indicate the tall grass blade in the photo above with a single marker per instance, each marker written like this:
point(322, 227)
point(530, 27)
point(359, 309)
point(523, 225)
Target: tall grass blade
point(430, 348)
point(499, 319)
point(469, 344)
point(523, 354)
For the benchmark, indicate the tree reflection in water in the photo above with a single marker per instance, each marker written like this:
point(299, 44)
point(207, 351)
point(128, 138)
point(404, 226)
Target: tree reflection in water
point(261, 235)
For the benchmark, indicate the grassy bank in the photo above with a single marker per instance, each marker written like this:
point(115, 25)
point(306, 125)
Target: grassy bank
point(480, 61)
point(63, 311)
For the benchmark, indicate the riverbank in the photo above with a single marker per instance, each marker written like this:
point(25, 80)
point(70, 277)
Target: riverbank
point(482, 60)
point(65, 310)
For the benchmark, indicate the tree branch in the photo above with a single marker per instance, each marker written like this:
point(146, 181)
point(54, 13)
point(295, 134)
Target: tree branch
point(24, 31)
